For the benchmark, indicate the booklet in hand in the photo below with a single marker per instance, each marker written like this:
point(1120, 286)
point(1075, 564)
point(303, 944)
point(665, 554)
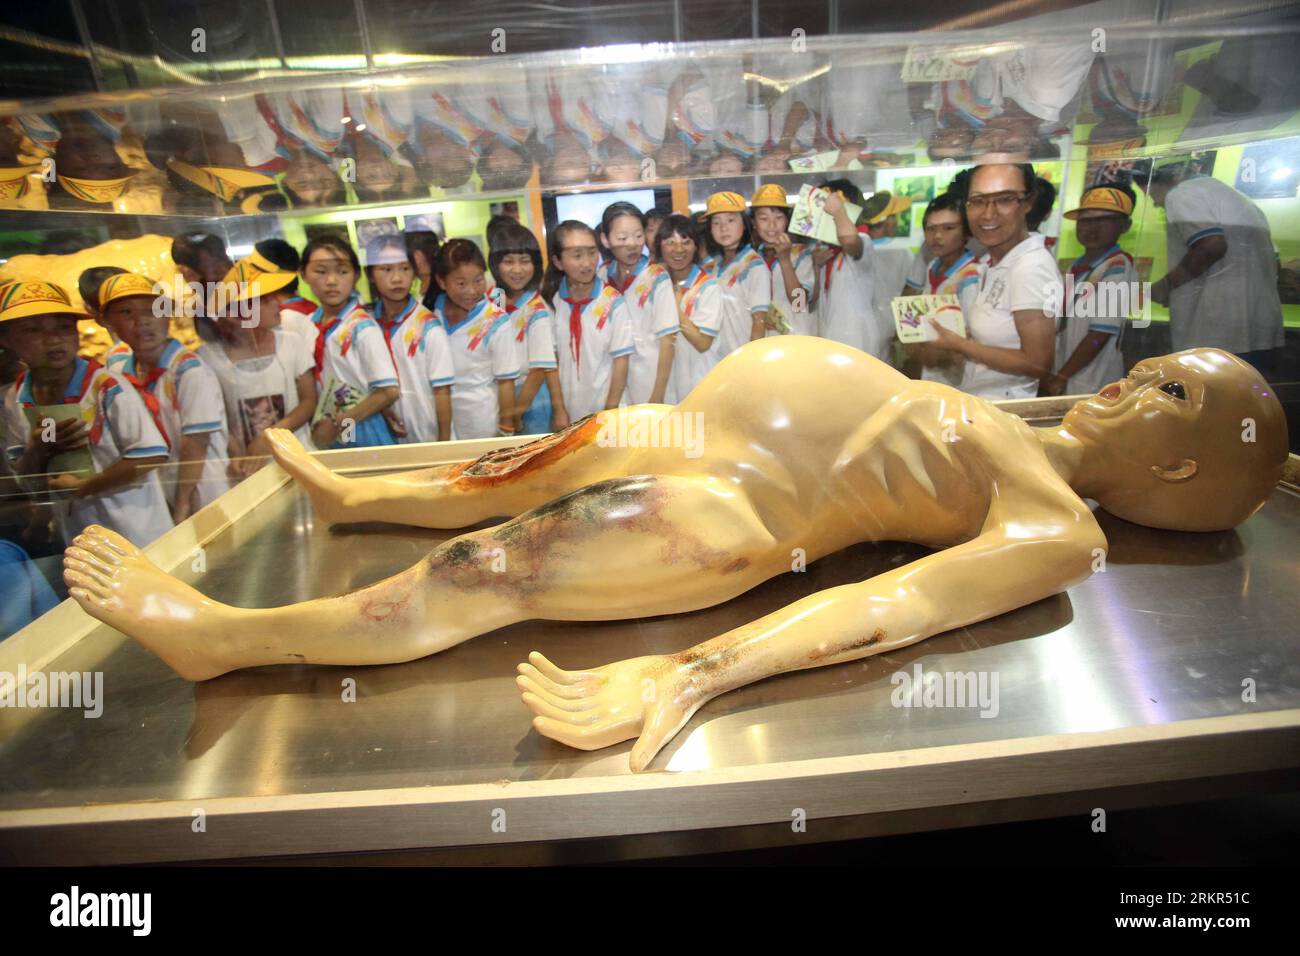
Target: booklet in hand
point(912, 314)
point(810, 219)
point(78, 460)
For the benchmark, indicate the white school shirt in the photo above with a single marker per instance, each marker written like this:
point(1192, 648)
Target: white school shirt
point(868, 101)
point(961, 279)
point(533, 327)
point(890, 265)
point(1026, 278)
point(296, 319)
point(652, 311)
point(483, 352)
point(450, 109)
point(355, 351)
point(1113, 268)
point(844, 306)
point(801, 323)
point(745, 287)
point(701, 302)
point(190, 402)
point(586, 105)
point(422, 357)
point(261, 390)
point(387, 116)
point(1234, 304)
point(586, 360)
point(120, 426)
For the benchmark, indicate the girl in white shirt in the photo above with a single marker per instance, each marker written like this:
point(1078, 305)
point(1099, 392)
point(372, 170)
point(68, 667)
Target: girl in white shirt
point(416, 341)
point(482, 347)
point(790, 263)
point(516, 262)
point(699, 311)
point(593, 333)
point(352, 358)
point(648, 294)
point(743, 278)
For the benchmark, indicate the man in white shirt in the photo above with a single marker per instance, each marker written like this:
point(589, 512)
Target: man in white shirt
point(1221, 288)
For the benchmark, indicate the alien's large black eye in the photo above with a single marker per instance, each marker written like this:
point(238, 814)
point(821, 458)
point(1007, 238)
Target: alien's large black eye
point(1175, 389)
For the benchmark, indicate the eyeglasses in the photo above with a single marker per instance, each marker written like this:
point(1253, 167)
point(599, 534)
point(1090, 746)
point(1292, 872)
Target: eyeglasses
point(1005, 202)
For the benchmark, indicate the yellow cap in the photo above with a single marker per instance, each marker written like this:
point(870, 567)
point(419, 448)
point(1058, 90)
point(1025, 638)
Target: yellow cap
point(247, 281)
point(18, 300)
point(1104, 198)
point(724, 202)
point(125, 284)
point(770, 195)
point(893, 206)
point(14, 181)
point(224, 182)
point(95, 190)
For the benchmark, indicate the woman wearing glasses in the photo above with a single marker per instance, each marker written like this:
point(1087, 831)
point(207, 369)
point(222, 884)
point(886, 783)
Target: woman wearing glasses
point(1012, 323)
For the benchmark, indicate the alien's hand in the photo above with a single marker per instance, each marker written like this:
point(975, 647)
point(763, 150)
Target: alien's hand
point(650, 698)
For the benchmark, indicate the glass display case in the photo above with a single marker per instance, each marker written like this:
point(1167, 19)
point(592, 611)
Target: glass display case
point(182, 148)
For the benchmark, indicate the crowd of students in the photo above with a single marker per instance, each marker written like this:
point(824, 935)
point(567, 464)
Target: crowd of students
point(451, 346)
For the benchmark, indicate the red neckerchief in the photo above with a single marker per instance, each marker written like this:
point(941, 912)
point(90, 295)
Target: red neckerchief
point(575, 327)
point(612, 281)
point(144, 389)
point(769, 256)
point(325, 331)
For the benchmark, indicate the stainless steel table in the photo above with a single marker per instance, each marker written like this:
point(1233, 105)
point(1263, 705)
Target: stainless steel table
point(1135, 678)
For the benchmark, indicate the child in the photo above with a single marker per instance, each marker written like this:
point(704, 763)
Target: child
point(352, 360)
point(277, 256)
point(889, 265)
point(175, 385)
point(951, 271)
point(417, 341)
point(652, 308)
point(844, 307)
point(1088, 339)
point(118, 488)
point(790, 264)
point(592, 330)
point(516, 262)
point(699, 309)
point(482, 348)
point(267, 374)
point(743, 278)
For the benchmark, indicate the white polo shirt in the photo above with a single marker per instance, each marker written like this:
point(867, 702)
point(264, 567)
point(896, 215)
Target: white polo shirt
point(745, 287)
point(483, 353)
point(422, 356)
point(844, 307)
point(652, 313)
point(1234, 304)
point(190, 402)
point(701, 303)
point(1025, 279)
point(534, 331)
point(804, 322)
point(587, 348)
point(120, 426)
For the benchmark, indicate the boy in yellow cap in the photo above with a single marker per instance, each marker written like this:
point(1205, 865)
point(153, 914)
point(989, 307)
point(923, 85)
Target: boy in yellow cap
point(176, 386)
point(63, 407)
point(1101, 289)
point(742, 276)
point(889, 264)
point(789, 263)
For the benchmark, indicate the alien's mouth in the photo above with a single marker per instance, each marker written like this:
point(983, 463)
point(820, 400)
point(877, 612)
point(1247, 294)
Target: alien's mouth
point(1111, 392)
